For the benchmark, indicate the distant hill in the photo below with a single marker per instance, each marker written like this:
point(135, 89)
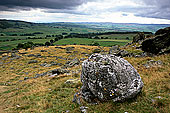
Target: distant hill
point(100, 26)
point(14, 24)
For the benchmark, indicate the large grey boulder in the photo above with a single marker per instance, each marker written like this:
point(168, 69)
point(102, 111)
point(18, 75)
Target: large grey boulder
point(108, 77)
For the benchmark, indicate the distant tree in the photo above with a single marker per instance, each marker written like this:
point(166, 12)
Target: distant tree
point(47, 44)
point(51, 41)
point(95, 44)
point(64, 33)
point(56, 39)
point(20, 45)
point(127, 38)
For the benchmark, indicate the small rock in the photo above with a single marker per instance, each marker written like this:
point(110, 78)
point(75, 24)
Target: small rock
point(83, 53)
point(83, 109)
point(96, 51)
point(73, 62)
point(18, 106)
point(122, 53)
point(72, 81)
point(114, 50)
point(83, 59)
point(68, 52)
point(13, 55)
point(26, 78)
point(23, 53)
point(159, 97)
point(76, 98)
point(30, 55)
point(43, 51)
point(32, 61)
point(40, 75)
point(59, 47)
point(69, 48)
point(67, 111)
point(75, 52)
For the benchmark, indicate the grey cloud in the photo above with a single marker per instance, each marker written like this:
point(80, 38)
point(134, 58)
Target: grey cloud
point(150, 8)
point(155, 9)
point(50, 4)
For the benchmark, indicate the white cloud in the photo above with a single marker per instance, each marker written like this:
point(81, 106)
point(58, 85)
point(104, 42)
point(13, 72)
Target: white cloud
point(124, 11)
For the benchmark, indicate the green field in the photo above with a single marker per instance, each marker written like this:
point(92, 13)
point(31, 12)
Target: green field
point(14, 32)
point(12, 36)
point(85, 41)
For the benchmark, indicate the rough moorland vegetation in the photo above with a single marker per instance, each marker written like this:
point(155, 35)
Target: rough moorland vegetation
point(44, 79)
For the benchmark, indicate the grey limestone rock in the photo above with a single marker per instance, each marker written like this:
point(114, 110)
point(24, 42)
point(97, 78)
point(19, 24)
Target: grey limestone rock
point(32, 61)
point(108, 77)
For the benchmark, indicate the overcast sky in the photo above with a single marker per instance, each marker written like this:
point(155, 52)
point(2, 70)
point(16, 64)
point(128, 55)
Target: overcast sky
point(117, 11)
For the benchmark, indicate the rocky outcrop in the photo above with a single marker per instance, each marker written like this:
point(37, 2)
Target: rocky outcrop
point(159, 44)
point(138, 37)
point(163, 31)
point(107, 77)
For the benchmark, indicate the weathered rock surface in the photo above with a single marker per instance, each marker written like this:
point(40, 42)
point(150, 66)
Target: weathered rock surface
point(70, 48)
point(158, 45)
point(114, 50)
point(138, 37)
point(73, 62)
point(107, 77)
point(32, 61)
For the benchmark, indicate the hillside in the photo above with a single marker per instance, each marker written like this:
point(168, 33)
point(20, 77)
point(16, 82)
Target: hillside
point(29, 84)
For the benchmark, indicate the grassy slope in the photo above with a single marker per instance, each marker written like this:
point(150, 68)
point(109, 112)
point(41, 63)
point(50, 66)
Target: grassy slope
point(47, 94)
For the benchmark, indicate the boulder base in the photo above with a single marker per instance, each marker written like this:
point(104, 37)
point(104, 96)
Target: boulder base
point(107, 77)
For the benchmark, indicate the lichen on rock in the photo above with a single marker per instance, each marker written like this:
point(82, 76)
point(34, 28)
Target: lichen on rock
point(108, 77)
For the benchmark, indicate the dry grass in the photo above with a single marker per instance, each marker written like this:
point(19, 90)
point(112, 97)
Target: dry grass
point(46, 94)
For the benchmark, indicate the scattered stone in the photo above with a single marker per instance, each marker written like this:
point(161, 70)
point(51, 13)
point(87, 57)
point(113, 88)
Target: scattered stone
point(59, 47)
point(60, 57)
point(138, 37)
point(122, 53)
point(73, 62)
point(82, 59)
point(30, 55)
point(38, 55)
point(108, 77)
point(23, 53)
point(76, 98)
point(70, 48)
point(32, 61)
point(152, 63)
point(67, 111)
point(43, 51)
point(13, 55)
point(11, 68)
point(75, 52)
point(83, 109)
point(72, 81)
point(83, 48)
point(68, 52)
point(26, 78)
point(16, 57)
point(83, 53)
point(159, 97)
point(96, 51)
point(114, 50)
point(40, 75)
point(57, 72)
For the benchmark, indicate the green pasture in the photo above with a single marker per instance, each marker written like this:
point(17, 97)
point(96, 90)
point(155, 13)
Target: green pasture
point(85, 41)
